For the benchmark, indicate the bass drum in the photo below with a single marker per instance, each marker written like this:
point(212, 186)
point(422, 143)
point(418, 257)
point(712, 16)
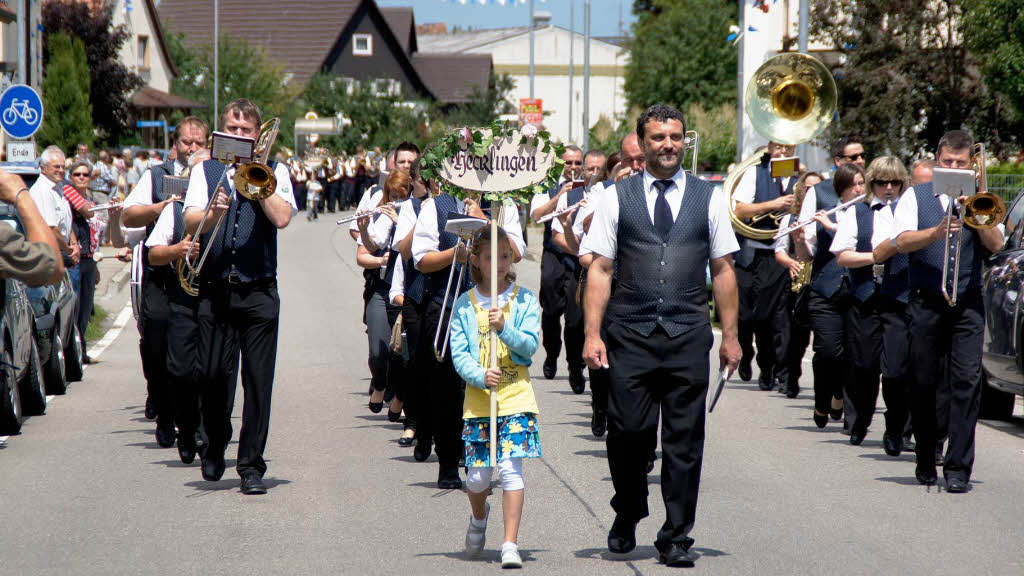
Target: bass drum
point(136, 280)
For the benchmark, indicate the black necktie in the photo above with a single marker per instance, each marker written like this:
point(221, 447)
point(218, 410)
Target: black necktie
point(662, 213)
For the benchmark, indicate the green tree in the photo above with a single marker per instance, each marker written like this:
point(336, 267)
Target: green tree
point(484, 106)
point(68, 117)
point(994, 31)
point(111, 83)
point(679, 55)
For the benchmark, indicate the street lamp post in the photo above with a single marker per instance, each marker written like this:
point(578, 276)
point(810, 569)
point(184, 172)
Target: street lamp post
point(572, 46)
point(216, 61)
point(532, 26)
point(586, 74)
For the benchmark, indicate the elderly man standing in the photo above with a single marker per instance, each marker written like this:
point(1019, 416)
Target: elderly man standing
point(48, 194)
point(33, 260)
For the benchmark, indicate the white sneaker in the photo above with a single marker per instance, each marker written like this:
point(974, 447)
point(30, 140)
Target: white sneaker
point(476, 537)
point(510, 556)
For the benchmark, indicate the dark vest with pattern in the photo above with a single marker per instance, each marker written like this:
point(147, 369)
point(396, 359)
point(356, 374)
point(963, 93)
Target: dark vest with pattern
point(572, 261)
point(927, 263)
point(895, 279)
point(661, 281)
point(766, 189)
point(826, 276)
point(825, 196)
point(247, 240)
point(549, 244)
point(417, 284)
point(446, 204)
point(862, 280)
point(156, 175)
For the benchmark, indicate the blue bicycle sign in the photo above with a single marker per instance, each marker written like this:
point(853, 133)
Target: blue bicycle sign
point(21, 111)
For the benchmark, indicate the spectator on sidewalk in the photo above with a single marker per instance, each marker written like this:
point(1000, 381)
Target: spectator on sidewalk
point(33, 260)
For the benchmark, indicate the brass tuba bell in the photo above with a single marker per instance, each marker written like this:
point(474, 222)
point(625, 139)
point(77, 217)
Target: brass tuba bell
point(791, 98)
point(256, 180)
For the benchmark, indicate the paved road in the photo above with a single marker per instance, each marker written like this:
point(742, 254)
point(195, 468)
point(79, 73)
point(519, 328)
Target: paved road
point(85, 490)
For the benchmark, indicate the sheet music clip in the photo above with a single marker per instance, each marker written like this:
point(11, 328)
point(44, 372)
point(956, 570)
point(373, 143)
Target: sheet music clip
point(462, 225)
point(230, 149)
point(954, 182)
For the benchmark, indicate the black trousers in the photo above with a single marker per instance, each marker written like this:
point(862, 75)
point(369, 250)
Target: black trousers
point(333, 195)
point(651, 375)
point(762, 314)
point(894, 364)
point(956, 334)
point(414, 390)
point(799, 336)
point(864, 338)
point(183, 365)
point(153, 345)
point(600, 379)
point(552, 302)
point(233, 319)
point(300, 196)
point(445, 392)
point(831, 363)
point(86, 295)
point(573, 321)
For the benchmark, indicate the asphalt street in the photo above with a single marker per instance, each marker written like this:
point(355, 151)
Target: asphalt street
point(85, 489)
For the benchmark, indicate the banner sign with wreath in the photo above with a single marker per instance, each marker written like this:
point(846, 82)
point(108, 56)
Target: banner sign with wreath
point(499, 161)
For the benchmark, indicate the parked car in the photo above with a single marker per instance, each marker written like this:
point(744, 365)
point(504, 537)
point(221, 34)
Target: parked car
point(57, 339)
point(22, 392)
point(1003, 358)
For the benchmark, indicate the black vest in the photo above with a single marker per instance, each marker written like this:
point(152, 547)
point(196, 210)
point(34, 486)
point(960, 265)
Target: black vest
point(895, 280)
point(417, 285)
point(766, 189)
point(862, 280)
point(247, 240)
point(549, 245)
point(825, 196)
point(661, 281)
point(826, 276)
point(927, 263)
point(572, 261)
point(445, 204)
point(156, 177)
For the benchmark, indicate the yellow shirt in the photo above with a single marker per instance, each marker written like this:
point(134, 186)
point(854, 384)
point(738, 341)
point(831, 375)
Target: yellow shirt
point(515, 393)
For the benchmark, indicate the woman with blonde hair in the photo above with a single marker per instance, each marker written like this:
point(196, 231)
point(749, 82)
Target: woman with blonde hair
point(877, 334)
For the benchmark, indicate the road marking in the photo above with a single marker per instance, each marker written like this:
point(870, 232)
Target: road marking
point(113, 332)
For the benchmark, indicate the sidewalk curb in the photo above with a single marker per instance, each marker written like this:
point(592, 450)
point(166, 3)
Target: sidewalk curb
point(117, 281)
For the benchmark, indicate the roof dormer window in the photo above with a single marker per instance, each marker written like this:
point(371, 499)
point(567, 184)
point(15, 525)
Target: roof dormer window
point(362, 45)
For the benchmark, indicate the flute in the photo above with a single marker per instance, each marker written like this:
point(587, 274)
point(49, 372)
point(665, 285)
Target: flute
point(810, 221)
point(376, 211)
point(104, 207)
point(557, 213)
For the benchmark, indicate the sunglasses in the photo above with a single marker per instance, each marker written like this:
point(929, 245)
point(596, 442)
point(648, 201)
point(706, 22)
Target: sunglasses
point(575, 163)
point(80, 174)
point(893, 183)
point(853, 157)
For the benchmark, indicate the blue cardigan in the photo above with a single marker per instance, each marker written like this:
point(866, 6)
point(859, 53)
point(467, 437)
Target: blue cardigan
point(521, 335)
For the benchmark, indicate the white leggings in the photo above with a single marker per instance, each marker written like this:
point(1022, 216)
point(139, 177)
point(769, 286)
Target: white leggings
point(510, 470)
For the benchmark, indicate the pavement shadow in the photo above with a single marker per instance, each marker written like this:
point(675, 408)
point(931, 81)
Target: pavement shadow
point(638, 553)
point(651, 479)
point(594, 453)
point(901, 480)
point(178, 463)
point(1014, 427)
point(206, 486)
point(832, 430)
point(591, 437)
point(143, 430)
point(439, 492)
point(886, 458)
point(413, 460)
point(864, 444)
point(485, 557)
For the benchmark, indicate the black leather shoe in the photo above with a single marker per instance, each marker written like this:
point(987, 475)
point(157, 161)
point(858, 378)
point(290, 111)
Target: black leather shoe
point(926, 477)
point(792, 389)
point(389, 395)
point(956, 485)
point(746, 371)
point(394, 416)
point(213, 464)
point(187, 448)
point(165, 434)
point(857, 437)
point(599, 423)
point(253, 484)
point(781, 386)
point(820, 420)
point(576, 381)
point(406, 441)
point(448, 479)
point(836, 414)
point(765, 381)
point(375, 407)
point(150, 410)
point(622, 536)
point(892, 445)
point(422, 450)
point(550, 367)
point(678, 557)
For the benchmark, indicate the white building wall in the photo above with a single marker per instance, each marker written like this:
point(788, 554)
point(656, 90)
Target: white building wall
point(139, 24)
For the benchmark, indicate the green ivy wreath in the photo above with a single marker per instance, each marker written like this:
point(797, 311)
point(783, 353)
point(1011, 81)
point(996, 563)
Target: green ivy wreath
point(455, 141)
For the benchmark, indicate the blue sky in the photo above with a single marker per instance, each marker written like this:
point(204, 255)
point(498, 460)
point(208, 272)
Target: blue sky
point(604, 19)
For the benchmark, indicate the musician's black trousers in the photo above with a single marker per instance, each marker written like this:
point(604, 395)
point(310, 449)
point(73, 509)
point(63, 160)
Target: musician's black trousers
point(939, 331)
point(573, 321)
point(300, 196)
point(831, 362)
point(600, 380)
point(762, 315)
point(552, 302)
point(865, 330)
point(237, 318)
point(799, 336)
point(895, 358)
point(378, 331)
point(333, 195)
point(414, 389)
point(183, 365)
point(153, 317)
point(651, 375)
point(445, 392)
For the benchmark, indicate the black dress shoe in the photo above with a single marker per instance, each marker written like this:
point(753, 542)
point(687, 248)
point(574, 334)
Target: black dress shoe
point(375, 407)
point(956, 485)
point(213, 464)
point(765, 383)
point(792, 389)
point(857, 437)
point(150, 410)
point(678, 557)
point(394, 416)
point(820, 420)
point(746, 371)
point(389, 395)
point(448, 479)
point(836, 413)
point(422, 450)
point(781, 386)
point(892, 445)
point(576, 381)
point(622, 536)
point(187, 448)
point(165, 434)
point(599, 423)
point(550, 367)
point(406, 441)
point(926, 477)
point(253, 484)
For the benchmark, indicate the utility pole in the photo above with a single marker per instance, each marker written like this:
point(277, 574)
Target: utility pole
point(801, 150)
point(216, 62)
point(586, 74)
point(532, 26)
point(572, 46)
point(739, 83)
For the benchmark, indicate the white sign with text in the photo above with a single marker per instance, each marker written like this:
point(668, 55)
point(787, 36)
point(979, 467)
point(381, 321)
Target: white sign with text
point(508, 164)
point(21, 151)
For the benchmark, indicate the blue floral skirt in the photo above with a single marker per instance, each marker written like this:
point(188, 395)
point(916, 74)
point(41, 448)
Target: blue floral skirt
point(519, 437)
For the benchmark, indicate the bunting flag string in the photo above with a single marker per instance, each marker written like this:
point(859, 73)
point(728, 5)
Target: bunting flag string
point(486, 2)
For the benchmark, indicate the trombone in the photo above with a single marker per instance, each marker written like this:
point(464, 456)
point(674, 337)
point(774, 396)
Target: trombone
point(255, 181)
point(981, 211)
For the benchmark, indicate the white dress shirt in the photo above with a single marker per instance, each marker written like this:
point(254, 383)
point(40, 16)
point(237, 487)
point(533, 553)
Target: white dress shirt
point(163, 230)
point(746, 192)
point(905, 218)
point(426, 238)
point(603, 236)
point(397, 283)
point(581, 212)
point(197, 196)
point(142, 193)
point(847, 230)
point(782, 243)
point(541, 199)
point(52, 205)
point(371, 198)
